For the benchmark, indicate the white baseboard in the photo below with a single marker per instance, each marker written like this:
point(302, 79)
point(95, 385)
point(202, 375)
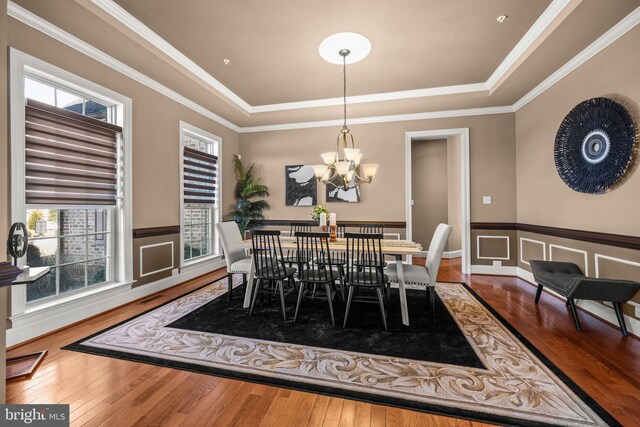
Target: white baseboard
point(604, 312)
point(31, 325)
point(445, 255)
point(494, 270)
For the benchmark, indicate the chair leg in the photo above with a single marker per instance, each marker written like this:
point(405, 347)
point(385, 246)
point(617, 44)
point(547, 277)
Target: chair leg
point(382, 310)
point(341, 280)
point(349, 298)
point(538, 293)
point(255, 295)
point(284, 308)
point(574, 313)
point(229, 286)
point(300, 292)
point(432, 298)
point(244, 282)
point(623, 326)
point(328, 288)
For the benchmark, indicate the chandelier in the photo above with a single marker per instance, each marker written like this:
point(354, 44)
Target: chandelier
point(342, 168)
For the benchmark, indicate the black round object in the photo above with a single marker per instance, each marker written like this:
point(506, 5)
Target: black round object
point(18, 240)
point(595, 145)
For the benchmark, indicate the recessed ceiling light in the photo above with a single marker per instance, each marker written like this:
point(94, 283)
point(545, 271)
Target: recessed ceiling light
point(358, 45)
point(226, 61)
point(501, 18)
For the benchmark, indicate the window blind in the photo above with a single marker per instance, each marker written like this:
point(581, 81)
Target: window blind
point(199, 179)
point(70, 159)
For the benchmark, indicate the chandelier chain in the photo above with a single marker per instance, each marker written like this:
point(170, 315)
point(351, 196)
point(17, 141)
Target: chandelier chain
point(344, 86)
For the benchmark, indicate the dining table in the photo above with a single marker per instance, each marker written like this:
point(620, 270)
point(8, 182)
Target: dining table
point(390, 247)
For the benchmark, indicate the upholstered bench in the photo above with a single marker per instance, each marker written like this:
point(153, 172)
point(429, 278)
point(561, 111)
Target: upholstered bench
point(567, 279)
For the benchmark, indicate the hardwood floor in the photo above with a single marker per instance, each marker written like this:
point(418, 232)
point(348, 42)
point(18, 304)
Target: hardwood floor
point(111, 392)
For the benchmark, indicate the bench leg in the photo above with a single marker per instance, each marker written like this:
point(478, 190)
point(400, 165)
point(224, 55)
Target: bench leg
point(574, 313)
point(538, 293)
point(618, 308)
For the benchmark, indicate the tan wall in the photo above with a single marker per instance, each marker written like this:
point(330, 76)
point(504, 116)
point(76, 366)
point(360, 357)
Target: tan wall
point(454, 197)
point(543, 198)
point(429, 188)
point(156, 133)
point(492, 166)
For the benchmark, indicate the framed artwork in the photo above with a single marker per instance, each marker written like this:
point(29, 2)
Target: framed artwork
point(338, 194)
point(301, 186)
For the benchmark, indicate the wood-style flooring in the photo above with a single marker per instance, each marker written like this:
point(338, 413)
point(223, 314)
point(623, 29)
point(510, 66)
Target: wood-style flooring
point(104, 391)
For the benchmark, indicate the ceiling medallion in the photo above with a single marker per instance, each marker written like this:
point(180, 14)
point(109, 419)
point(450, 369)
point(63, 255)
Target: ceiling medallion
point(342, 167)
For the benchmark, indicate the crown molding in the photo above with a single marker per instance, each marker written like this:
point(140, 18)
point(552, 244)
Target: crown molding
point(124, 17)
point(45, 27)
point(383, 119)
point(620, 29)
point(38, 23)
point(546, 19)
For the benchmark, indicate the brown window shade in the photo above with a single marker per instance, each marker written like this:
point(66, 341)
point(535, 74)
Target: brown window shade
point(70, 159)
point(199, 177)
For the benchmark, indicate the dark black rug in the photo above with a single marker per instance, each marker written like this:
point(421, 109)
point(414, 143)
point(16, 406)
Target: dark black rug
point(440, 341)
point(409, 367)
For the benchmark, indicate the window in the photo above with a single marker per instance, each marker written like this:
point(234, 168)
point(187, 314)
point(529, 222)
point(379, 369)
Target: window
point(72, 187)
point(200, 192)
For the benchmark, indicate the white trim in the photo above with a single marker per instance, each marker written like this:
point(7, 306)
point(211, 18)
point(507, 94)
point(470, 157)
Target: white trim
point(31, 325)
point(614, 259)
point(493, 237)
point(494, 270)
point(604, 312)
point(34, 21)
point(452, 254)
point(115, 10)
point(617, 31)
point(579, 251)
point(544, 249)
point(519, 52)
point(20, 63)
point(208, 136)
point(514, 58)
point(374, 97)
point(382, 119)
point(465, 194)
point(614, 33)
point(153, 246)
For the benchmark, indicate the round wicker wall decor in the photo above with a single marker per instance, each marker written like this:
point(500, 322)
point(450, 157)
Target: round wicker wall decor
point(595, 145)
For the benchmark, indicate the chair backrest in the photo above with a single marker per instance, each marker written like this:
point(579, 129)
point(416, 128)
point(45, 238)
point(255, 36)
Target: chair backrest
point(340, 230)
point(267, 253)
point(313, 256)
point(436, 248)
point(231, 240)
point(299, 227)
point(365, 260)
point(372, 229)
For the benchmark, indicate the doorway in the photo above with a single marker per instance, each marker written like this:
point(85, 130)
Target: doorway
point(437, 182)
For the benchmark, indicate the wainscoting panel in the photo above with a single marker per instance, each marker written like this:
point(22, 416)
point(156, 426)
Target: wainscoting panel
point(493, 247)
point(566, 254)
point(488, 246)
point(155, 257)
point(532, 249)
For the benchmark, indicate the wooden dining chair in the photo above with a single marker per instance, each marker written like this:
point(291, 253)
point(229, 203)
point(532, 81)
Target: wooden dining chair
point(340, 230)
point(270, 270)
point(366, 248)
point(315, 268)
point(290, 258)
point(372, 228)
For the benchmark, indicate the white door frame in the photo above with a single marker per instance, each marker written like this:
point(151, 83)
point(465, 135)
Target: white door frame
point(465, 216)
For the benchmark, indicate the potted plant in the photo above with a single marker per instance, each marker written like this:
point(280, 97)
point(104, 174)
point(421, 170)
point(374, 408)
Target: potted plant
point(248, 187)
point(317, 210)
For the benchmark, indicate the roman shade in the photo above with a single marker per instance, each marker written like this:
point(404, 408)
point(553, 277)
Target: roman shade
point(199, 179)
point(70, 159)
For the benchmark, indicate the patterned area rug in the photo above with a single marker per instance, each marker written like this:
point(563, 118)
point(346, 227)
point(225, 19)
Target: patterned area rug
point(512, 383)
